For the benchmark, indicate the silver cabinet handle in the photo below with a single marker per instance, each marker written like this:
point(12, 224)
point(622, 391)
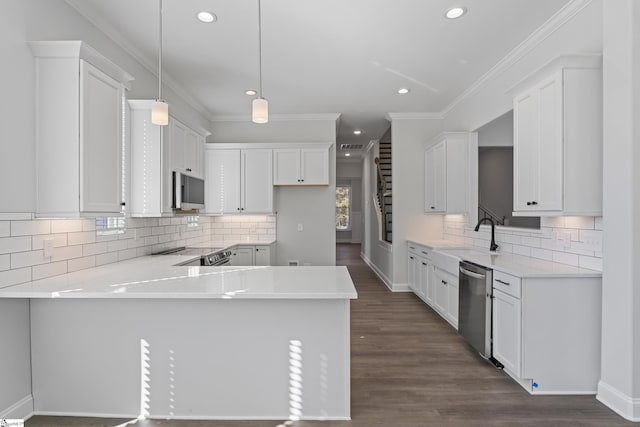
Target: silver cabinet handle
point(471, 273)
point(504, 283)
point(426, 253)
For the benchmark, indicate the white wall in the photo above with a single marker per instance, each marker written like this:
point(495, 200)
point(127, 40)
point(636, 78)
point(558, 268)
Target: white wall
point(408, 137)
point(619, 387)
point(312, 207)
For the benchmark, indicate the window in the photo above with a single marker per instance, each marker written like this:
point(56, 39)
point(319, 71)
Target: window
point(343, 207)
point(111, 225)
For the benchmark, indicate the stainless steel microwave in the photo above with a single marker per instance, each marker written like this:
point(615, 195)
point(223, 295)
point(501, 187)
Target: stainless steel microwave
point(188, 192)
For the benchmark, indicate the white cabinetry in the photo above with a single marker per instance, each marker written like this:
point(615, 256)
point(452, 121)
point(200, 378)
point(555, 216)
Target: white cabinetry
point(151, 181)
point(546, 332)
point(447, 176)
point(238, 181)
point(558, 139)
point(446, 295)
point(242, 256)
point(187, 148)
point(79, 102)
point(420, 272)
point(264, 255)
point(301, 166)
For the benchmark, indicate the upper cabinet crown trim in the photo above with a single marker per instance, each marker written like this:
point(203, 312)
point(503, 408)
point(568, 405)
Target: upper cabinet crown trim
point(250, 145)
point(577, 61)
point(81, 50)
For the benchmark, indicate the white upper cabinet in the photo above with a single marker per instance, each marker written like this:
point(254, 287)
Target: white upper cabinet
point(558, 138)
point(151, 180)
point(301, 166)
point(187, 149)
point(447, 185)
point(238, 181)
point(79, 115)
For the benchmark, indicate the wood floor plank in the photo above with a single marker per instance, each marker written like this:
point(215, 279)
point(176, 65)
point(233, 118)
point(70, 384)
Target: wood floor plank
point(410, 368)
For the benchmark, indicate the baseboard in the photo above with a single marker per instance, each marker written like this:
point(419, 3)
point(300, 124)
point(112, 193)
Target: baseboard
point(21, 410)
point(378, 272)
point(190, 417)
point(401, 287)
point(625, 406)
point(351, 241)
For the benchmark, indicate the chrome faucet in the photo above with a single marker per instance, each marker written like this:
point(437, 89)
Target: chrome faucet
point(493, 246)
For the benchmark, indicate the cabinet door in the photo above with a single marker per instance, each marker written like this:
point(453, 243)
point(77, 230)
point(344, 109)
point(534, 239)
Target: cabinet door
point(263, 255)
point(429, 280)
point(315, 166)
point(178, 141)
point(424, 277)
point(100, 142)
point(257, 181)
point(412, 272)
point(525, 151)
point(193, 148)
point(222, 181)
point(167, 172)
point(452, 308)
point(435, 177)
point(286, 166)
point(441, 292)
point(507, 331)
point(550, 109)
point(242, 256)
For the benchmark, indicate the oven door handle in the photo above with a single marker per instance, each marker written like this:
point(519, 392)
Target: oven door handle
point(471, 274)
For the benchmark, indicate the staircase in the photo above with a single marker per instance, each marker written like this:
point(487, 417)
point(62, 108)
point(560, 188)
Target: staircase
point(384, 189)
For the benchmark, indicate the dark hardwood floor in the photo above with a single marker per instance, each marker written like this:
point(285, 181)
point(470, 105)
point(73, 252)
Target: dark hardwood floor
point(410, 368)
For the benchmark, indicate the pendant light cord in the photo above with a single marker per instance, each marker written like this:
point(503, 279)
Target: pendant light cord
point(160, 55)
point(259, 43)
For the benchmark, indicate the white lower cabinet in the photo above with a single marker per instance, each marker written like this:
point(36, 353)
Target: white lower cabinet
point(506, 331)
point(438, 287)
point(546, 332)
point(242, 255)
point(250, 255)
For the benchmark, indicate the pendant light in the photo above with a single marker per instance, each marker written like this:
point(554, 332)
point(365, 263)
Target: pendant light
point(260, 106)
point(160, 109)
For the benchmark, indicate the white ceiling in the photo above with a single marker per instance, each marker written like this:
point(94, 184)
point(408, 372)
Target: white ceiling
point(330, 56)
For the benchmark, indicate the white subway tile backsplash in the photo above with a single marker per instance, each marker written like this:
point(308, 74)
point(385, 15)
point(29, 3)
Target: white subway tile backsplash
point(27, 259)
point(15, 244)
point(5, 262)
point(15, 276)
point(59, 240)
point(49, 270)
point(568, 240)
point(5, 228)
point(89, 225)
point(95, 248)
point(81, 263)
point(81, 238)
point(66, 252)
point(126, 254)
point(107, 258)
point(29, 228)
point(66, 225)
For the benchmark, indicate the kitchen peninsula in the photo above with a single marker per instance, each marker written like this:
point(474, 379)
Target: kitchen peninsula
point(148, 338)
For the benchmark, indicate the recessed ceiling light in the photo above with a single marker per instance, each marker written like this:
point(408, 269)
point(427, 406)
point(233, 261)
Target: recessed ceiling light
point(347, 154)
point(455, 12)
point(403, 90)
point(206, 17)
point(250, 92)
point(357, 132)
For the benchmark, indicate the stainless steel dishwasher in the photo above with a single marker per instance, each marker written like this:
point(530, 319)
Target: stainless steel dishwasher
point(475, 305)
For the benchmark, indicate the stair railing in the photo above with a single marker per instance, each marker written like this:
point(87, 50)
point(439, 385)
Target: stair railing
point(382, 192)
point(484, 212)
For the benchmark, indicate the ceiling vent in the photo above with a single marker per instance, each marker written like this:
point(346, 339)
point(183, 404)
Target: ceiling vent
point(351, 146)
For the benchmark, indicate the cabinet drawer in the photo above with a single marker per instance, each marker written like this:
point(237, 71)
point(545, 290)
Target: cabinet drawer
point(419, 250)
point(511, 285)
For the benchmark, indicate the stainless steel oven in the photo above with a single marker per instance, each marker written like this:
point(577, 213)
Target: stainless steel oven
point(475, 305)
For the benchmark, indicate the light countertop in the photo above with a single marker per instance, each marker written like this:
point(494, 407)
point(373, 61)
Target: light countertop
point(226, 244)
point(158, 277)
point(517, 265)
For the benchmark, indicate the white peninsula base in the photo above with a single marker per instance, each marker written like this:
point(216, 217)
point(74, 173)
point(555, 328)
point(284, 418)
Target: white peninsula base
point(191, 358)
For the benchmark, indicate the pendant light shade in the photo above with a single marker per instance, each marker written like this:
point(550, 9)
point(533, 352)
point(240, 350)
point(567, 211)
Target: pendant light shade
point(160, 109)
point(160, 113)
point(260, 106)
point(260, 111)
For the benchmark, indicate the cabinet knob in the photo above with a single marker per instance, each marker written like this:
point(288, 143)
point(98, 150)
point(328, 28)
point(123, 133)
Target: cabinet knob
point(433, 207)
point(188, 169)
point(302, 180)
point(238, 208)
point(443, 282)
point(532, 203)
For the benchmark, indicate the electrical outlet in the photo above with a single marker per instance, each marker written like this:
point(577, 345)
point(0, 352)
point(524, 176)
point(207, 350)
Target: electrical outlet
point(47, 245)
point(592, 240)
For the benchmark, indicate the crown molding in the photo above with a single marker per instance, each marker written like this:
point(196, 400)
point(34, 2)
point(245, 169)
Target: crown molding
point(106, 28)
point(554, 23)
point(414, 116)
point(334, 117)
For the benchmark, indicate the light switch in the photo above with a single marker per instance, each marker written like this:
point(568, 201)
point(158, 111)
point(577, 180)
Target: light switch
point(48, 247)
point(300, 227)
